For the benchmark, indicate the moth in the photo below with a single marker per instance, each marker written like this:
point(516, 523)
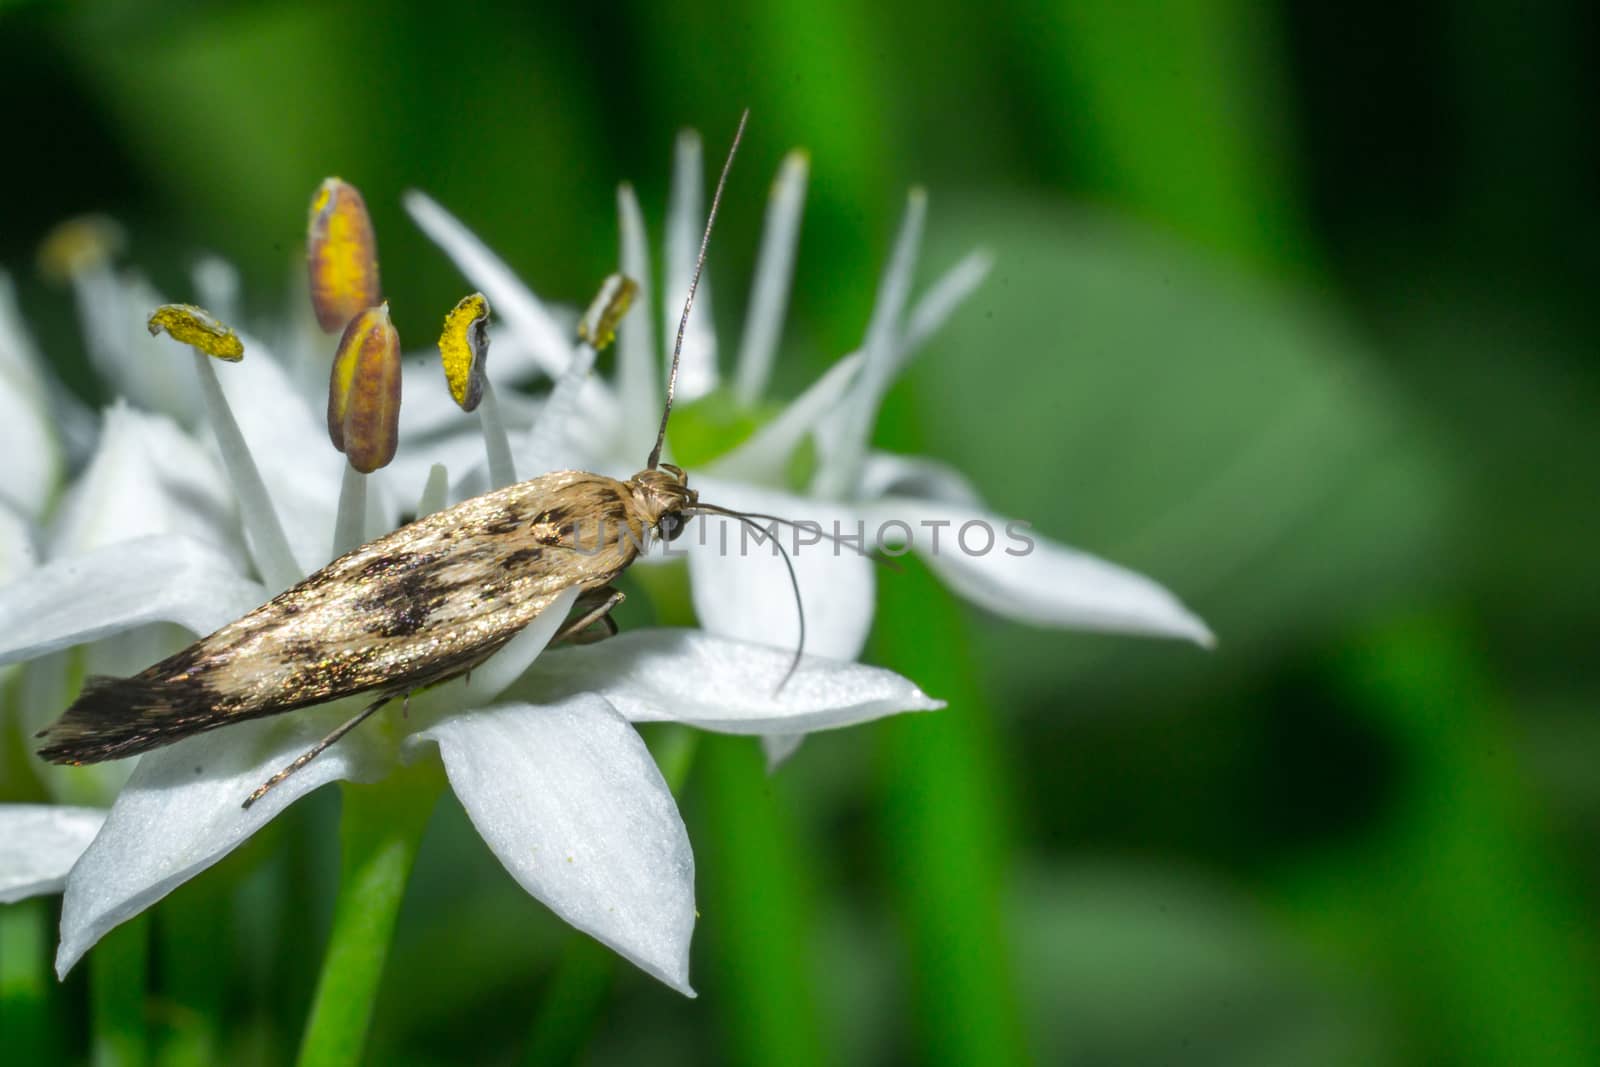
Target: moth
point(414, 608)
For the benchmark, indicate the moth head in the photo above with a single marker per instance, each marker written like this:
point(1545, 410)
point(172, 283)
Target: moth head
point(662, 495)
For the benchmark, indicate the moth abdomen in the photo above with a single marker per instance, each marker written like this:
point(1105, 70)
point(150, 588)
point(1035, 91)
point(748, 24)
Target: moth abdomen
point(117, 717)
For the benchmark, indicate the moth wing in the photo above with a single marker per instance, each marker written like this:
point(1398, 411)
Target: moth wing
point(418, 606)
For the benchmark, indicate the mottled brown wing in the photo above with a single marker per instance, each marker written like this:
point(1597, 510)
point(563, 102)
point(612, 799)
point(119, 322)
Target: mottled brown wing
point(427, 602)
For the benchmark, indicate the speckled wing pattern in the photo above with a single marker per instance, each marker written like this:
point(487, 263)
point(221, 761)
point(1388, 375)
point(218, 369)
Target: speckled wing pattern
point(420, 605)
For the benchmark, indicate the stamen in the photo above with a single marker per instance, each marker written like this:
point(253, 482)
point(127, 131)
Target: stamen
point(841, 467)
point(364, 391)
point(216, 283)
point(435, 492)
point(341, 255)
point(769, 296)
point(941, 300)
point(78, 245)
point(637, 370)
point(496, 443)
point(209, 337)
point(80, 252)
point(464, 350)
point(197, 328)
point(697, 375)
point(544, 447)
point(350, 522)
point(598, 327)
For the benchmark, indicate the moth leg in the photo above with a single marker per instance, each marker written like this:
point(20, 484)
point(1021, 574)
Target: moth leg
point(317, 749)
point(596, 606)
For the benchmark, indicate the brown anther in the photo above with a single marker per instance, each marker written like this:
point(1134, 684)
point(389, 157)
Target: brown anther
point(364, 391)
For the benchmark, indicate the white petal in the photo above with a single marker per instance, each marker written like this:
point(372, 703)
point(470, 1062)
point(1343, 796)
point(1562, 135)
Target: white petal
point(1045, 583)
point(508, 297)
point(889, 474)
point(842, 452)
point(506, 666)
point(152, 579)
point(936, 305)
point(779, 747)
point(180, 812)
point(568, 798)
point(39, 843)
point(693, 677)
point(764, 458)
point(18, 555)
point(741, 587)
point(769, 293)
point(697, 371)
point(637, 370)
point(147, 477)
point(28, 442)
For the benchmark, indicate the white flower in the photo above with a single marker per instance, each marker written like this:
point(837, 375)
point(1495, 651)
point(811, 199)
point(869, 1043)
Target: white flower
point(39, 843)
point(853, 489)
point(28, 441)
point(554, 776)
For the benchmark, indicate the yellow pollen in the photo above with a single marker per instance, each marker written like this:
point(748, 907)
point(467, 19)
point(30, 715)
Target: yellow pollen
point(341, 255)
point(599, 324)
point(464, 349)
point(198, 328)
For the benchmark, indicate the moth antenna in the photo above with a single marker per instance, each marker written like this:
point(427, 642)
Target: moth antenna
point(794, 582)
point(694, 283)
point(713, 509)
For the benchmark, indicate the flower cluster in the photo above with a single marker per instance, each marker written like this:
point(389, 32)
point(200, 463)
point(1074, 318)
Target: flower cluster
point(204, 490)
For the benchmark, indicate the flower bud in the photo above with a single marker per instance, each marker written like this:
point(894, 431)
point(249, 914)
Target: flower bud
point(364, 391)
point(464, 348)
point(198, 328)
point(599, 324)
point(341, 255)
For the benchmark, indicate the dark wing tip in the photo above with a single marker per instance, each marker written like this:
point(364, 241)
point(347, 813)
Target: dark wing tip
point(117, 717)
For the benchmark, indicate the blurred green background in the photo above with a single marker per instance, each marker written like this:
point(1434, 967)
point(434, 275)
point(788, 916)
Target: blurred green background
point(1289, 312)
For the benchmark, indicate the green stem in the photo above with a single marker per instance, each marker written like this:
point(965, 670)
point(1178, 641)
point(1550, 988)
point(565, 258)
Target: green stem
point(758, 914)
point(945, 833)
point(118, 977)
point(572, 1005)
point(193, 956)
point(26, 983)
point(674, 748)
point(380, 830)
